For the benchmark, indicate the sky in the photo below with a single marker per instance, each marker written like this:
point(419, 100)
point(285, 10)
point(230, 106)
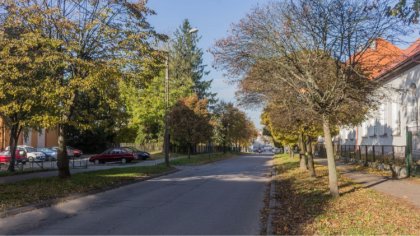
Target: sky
point(213, 18)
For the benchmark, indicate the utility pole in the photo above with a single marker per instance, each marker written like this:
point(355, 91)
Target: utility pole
point(166, 137)
point(166, 141)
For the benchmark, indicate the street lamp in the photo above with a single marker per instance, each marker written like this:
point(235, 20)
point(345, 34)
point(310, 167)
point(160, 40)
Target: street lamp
point(166, 135)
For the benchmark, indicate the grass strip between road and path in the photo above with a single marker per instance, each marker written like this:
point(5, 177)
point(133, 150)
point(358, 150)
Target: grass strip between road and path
point(305, 206)
point(38, 190)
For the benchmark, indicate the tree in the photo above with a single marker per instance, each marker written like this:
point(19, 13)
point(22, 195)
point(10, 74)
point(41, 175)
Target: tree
point(105, 41)
point(232, 127)
point(313, 49)
point(186, 62)
point(28, 65)
point(190, 122)
point(409, 11)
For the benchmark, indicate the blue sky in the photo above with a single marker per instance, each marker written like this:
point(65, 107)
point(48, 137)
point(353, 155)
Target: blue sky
point(213, 19)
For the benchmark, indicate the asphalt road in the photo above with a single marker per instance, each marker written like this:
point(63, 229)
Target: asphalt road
point(220, 198)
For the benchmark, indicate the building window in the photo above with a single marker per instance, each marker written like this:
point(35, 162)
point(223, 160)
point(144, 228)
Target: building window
point(396, 118)
point(364, 129)
point(412, 105)
point(380, 124)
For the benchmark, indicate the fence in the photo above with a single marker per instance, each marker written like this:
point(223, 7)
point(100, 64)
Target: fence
point(74, 163)
point(382, 157)
point(207, 148)
point(321, 152)
point(147, 147)
point(383, 154)
point(195, 149)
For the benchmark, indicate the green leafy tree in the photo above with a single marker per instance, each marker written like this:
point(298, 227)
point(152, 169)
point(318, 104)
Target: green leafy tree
point(232, 126)
point(28, 64)
point(105, 42)
point(190, 122)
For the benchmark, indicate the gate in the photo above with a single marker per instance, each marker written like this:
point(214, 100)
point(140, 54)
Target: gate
point(413, 149)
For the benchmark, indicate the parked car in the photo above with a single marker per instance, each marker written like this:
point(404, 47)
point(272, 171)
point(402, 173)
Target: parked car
point(113, 154)
point(138, 155)
point(70, 151)
point(50, 154)
point(31, 153)
point(5, 157)
point(76, 152)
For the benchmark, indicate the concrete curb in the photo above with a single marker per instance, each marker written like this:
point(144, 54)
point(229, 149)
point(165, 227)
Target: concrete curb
point(272, 202)
point(48, 203)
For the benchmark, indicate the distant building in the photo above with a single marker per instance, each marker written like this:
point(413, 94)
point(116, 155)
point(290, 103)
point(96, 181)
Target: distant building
point(45, 138)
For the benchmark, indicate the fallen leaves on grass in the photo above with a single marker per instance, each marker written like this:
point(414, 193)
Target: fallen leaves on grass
point(305, 206)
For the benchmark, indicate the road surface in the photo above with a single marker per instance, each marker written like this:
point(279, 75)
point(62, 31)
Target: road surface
point(220, 198)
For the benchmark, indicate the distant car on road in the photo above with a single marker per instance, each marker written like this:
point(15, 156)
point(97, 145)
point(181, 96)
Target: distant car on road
point(50, 154)
point(138, 155)
point(5, 157)
point(31, 153)
point(112, 155)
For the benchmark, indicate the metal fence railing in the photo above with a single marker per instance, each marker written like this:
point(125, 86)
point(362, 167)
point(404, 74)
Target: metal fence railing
point(383, 157)
point(385, 154)
point(74, 163)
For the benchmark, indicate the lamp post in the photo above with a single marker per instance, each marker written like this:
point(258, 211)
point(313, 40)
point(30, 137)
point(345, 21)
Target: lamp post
point(166, 141)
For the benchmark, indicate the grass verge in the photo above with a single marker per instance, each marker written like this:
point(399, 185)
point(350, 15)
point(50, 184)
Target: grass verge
point(201, 159)
point(38, 190)
point(305, 206)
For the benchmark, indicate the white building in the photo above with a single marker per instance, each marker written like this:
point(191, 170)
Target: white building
point(400, 106)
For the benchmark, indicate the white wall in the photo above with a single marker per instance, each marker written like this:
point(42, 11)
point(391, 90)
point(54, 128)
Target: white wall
point(399, 109)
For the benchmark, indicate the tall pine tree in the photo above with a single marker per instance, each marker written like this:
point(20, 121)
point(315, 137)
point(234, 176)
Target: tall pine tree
point(186, 62)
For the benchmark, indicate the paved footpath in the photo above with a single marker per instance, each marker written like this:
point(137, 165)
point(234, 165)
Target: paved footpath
point(403, 188)
point(51, 173)
point(223, 197)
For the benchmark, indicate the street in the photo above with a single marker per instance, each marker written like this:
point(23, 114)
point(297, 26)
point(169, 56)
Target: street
point(220, 198)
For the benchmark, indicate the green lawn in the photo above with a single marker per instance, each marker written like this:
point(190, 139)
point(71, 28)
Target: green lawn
point(305, 206)
point(37, 190)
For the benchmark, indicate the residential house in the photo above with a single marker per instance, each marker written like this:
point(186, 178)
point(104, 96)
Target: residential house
point(399, 72)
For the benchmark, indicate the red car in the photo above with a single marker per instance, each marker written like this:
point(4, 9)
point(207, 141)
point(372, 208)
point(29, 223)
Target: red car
point(76, 152)
point(113, 154)
point(5, 157)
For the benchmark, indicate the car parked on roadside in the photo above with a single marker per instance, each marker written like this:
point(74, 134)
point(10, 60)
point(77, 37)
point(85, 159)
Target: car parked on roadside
point(113, 155)
point(50, 154)
point(138, 155)
point(6, 157)
point(70, 151)
point(76, 152)
point(31, 153)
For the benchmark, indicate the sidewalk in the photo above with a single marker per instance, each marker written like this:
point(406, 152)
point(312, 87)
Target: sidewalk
point(51, 173)
point(404, 189)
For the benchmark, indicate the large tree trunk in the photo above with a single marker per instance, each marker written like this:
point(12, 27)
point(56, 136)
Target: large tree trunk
point(332, 171)
point(310, 151)
point(302, 153)
point(15, 131)
point(189, 151)
point(62, 160)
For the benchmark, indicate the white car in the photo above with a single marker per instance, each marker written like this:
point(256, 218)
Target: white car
point(31, 153)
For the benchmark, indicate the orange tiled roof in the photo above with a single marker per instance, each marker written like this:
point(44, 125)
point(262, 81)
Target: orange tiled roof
point(413, 49)
point(385, 56)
